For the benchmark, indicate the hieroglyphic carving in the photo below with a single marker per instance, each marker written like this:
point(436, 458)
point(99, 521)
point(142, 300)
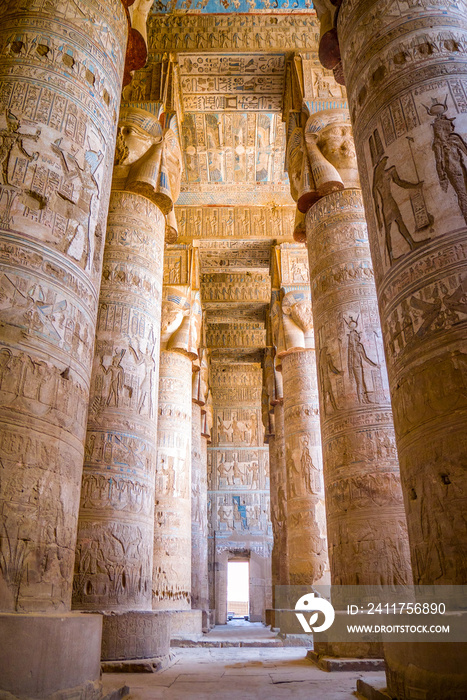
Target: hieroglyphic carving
point(412, 112)
point(306, 522)
point(232, 32)
point(239, 463)
point(236, 287)
point(236, 335)
point(58, 101)
point(199, 523)
point(123, 407)
point(361, 471)
point(239, 222)
point(172, 530)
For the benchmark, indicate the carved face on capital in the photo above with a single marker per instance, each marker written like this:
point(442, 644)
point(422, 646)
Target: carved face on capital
point(132, 144)
point(301, 313)
point(172, 316)
point(336, 144)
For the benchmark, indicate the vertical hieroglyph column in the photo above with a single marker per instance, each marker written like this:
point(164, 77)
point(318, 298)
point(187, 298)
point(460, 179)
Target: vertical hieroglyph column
point(199, 514)
point(113, 570)
point(61, 73)
point(407, 106)
point(366, 525)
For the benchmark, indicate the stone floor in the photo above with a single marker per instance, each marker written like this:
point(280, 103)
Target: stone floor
point(235, 633)
point(265, 673)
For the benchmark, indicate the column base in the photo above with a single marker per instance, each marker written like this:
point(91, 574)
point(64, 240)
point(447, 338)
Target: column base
point(155, 665)
point(348, 650)
point(185, 624)
point(333, 663)
point(50, 656)
point(426, 670)
point(139, 634)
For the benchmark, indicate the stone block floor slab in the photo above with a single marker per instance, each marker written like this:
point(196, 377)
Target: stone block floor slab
point(239, 633)
point(241, 674)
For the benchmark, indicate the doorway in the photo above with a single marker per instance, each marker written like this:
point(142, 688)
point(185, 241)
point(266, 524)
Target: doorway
point(238, 590)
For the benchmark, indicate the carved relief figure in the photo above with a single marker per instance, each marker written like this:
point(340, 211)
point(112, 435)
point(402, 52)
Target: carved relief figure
point(117, 374)
point(79, 211)
point(356, 358)
point(386, 208)
point(11, 137)
point(326, 365)
point(145, 387)
point(450, 150)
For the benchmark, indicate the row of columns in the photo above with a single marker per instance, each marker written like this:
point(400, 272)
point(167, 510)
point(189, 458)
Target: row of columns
point(80, 361)
point(416, 239)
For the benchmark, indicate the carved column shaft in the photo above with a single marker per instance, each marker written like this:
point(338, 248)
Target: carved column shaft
point(56, 157)
point(364, 508)
point(403, 70)
point(116, 525)
point(199, 525)
point(172, 515)
point(279, 499)
point(306, 520)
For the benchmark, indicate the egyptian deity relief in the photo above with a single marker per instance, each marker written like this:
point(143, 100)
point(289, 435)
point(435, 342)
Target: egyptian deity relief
point(410, 134)
point(58, 105)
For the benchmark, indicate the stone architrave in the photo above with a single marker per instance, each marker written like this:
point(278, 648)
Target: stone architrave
point(114, 554)
point(61, 75)
point(403, 65)
point(366, 524)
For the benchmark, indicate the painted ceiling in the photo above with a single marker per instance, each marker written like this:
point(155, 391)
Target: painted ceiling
point(235, 196)
point(231, 6)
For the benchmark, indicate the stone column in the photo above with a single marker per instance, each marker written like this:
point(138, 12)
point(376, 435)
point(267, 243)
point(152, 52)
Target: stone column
point(409, 148)
point(280, 488)
point(172, 535)
point(365, 514)
point(403, 67)
point(199, 534)
point(306, 518)
point(114, 554)
point(61, 74)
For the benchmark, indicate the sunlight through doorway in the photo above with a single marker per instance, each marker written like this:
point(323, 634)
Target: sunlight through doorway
point(238, 593)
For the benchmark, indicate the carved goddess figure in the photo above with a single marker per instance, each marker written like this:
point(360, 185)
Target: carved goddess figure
point(450, 150)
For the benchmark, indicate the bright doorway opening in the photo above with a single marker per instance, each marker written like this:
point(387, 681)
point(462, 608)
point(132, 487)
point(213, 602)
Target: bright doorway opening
point(238, 590)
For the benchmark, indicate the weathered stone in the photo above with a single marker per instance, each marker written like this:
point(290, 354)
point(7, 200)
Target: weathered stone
point(171, 586)
point(306, 518)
